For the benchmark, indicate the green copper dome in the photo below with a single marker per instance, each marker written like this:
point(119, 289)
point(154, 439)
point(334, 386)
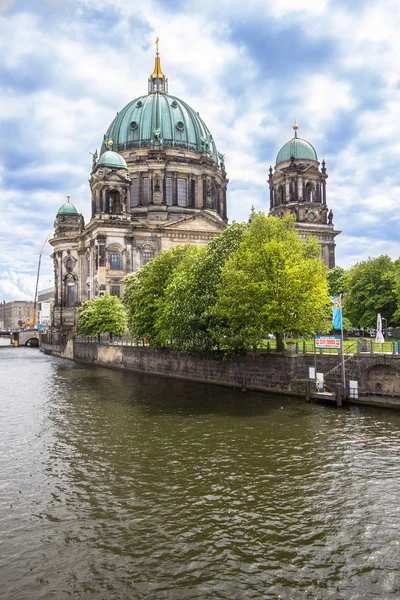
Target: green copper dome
point(111, 159)
point(67, 209)
point(296, 148)
point(159, 119)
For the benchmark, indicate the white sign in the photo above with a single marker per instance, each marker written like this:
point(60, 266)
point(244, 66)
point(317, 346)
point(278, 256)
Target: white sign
point(353, 389)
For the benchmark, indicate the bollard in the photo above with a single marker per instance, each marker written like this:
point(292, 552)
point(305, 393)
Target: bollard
point(339, 395)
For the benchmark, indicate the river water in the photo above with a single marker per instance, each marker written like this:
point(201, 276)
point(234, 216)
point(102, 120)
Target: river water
point(121, 486)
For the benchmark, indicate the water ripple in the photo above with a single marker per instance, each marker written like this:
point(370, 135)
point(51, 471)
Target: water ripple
point(115, 485)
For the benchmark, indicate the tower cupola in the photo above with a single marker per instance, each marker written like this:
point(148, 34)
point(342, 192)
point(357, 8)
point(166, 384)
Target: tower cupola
point(157, 80)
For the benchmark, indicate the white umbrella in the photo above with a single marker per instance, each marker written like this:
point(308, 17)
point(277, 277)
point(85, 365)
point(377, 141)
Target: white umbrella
point(379, 335)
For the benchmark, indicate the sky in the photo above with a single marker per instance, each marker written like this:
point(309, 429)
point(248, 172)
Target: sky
point(249, 68)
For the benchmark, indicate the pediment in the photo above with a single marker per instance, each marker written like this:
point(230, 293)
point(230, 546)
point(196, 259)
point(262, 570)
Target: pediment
point(201, 222)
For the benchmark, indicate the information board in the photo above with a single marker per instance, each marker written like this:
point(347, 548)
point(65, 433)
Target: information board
point(328, 341)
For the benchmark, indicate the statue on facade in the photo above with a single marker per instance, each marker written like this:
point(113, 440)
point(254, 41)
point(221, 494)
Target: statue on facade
point(330, 217)
point(205, 144)
point(221, 160)
point(94, 159)
point(156, 139)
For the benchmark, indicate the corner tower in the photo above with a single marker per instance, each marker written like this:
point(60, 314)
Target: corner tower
point(298, 186)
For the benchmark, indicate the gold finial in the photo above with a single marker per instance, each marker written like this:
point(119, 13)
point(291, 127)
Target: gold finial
point(68, 197)
point(157, 67)
point(110, 143)
point(295, 127)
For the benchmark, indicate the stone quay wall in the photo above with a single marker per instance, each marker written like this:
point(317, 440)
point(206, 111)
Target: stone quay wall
point(378, 376)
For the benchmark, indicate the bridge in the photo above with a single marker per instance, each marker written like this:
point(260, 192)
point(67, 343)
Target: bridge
point(28, 337)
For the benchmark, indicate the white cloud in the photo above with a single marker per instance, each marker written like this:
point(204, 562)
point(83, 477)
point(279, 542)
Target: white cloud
point(56, 115)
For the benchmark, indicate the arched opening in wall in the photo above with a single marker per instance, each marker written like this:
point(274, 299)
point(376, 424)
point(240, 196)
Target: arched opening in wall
point(383, 379)
point(71, 292)
point(115, 202)
point(279, 196)
point(309, 192)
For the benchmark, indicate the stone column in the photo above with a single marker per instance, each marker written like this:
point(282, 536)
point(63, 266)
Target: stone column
point(287, 191)
point(300, 189)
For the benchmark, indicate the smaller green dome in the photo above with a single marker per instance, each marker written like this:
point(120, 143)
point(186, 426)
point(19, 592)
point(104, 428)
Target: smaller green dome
point(111, 159)
point(67, 209)
point(297, 148)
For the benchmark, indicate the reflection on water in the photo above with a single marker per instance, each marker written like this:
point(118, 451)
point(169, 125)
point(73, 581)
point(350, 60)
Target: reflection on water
point(121, 486)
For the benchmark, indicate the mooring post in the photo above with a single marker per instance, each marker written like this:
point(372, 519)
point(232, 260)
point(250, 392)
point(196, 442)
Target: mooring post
point(339, 395)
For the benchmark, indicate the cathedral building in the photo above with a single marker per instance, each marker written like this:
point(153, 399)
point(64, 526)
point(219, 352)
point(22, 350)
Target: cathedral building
point(157, 182)
point(298, 186)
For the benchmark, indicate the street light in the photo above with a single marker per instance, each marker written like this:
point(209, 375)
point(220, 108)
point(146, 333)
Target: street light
point(385, 328)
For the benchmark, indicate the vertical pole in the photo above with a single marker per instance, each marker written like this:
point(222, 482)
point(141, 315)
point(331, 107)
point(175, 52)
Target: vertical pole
point(342, 343)
point(315, 358)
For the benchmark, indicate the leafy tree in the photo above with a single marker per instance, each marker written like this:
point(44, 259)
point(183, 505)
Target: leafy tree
point(371, 290)
point(273, 283)
point(188, 318)
point(145, 292)
point(337, 281)
point(106, 314)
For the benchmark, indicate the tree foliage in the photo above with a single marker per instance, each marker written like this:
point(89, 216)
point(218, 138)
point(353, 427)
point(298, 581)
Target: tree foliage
point(104, 315)
point(188, 318)
point(145, 292)
point(371, 289)
point(274, 282)
point(337, 281)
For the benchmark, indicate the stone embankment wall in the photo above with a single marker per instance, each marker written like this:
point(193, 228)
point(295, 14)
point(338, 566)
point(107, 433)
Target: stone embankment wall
point(378, 375)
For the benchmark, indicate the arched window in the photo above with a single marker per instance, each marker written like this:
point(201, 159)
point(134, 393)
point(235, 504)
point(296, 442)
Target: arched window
point(146, 257)
point(115, 202)
point(70, 290)
point(279, 197)
point(309, 192)
point(115, 261)
point(69, 264)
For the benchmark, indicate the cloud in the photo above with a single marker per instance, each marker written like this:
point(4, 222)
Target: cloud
point(249, 69)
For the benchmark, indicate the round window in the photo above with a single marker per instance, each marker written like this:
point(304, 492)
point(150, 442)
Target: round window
point(180, 126)
point(139, 104)
point(134, 126)
point(174, 104)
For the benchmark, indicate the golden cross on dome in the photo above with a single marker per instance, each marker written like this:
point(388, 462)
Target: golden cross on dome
point(157, 40)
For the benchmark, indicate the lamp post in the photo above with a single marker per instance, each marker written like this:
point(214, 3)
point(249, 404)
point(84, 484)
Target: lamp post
point(385, 328)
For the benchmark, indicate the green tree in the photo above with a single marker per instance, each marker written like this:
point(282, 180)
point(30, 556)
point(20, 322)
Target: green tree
point(145, 292)
point(273, 283)
point(337, 281)
point(106, 314)
point(188, 318)
point(371, 290)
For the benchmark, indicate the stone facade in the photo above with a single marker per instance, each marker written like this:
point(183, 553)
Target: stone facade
point(15, 312)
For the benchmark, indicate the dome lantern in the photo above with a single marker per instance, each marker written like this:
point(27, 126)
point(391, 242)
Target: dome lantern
point(296, 148)
point(157, 80)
